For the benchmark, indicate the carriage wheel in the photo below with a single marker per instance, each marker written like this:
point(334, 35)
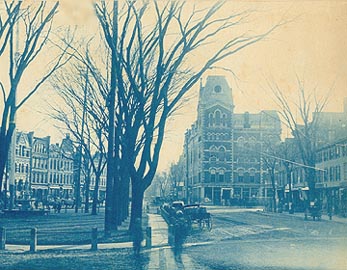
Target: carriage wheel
point(189, 225)
point(201, 224)
point(209, 223)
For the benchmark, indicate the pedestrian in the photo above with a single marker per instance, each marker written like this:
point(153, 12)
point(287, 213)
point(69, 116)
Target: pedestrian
point(36, 204)
point(137, 236)
point(180, 232)
point(59, 206)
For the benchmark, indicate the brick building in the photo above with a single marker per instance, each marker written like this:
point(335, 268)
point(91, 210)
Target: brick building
point(222, 149)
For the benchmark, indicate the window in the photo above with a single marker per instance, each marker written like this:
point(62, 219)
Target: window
point(217, 118)
point(338, 173)
point(213, 175)
point(241, 140)
point(240, 175)
point(325, 175)
point(221, 175)
point(210, 119)
point(217, 89)
point(252, 175)
point(221, 153)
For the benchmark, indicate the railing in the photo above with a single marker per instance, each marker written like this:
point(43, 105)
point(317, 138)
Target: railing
point(33, 238)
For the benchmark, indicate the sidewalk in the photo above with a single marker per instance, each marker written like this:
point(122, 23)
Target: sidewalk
point(231, 209)
point(161, 254)
point(324, 217)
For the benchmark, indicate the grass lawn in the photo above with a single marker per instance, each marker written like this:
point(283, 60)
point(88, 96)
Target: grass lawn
point(62, 229)
point(118, 259)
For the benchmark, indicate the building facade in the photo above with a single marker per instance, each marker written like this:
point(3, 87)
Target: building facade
point(222, 149)
point(331, 180)
point(254, 134)
point(61, 169)
point(22, 164)
point(39, 170)
point(39, 166)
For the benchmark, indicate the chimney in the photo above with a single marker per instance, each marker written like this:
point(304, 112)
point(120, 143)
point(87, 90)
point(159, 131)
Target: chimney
point(246, 123)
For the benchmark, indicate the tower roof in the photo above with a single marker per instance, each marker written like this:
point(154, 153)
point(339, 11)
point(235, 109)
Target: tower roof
point(216, 91)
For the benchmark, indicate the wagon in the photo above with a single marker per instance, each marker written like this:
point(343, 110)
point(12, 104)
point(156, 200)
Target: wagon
point(196, 214)
point(315, 212)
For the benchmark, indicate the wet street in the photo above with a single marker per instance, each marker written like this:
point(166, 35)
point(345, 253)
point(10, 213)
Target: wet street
point(242, 239)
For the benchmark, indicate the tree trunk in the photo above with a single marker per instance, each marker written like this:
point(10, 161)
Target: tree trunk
point(87, 187)
point(124, 200)
point(116, 200)
point(4, 150)
point(95, 194)
point(137, 194)
point(110, 223)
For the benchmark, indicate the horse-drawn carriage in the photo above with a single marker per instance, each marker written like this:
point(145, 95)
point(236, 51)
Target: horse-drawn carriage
point(315, 211)
point(196, 214)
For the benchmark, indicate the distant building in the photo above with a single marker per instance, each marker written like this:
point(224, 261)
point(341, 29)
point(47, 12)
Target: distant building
point(61, 169)
point(253, 134)
point(22, 162)
point(223, 150)
point(332, 126)
point(331, 179)
point(330, 165)
point(102, 180)
point(39, 166)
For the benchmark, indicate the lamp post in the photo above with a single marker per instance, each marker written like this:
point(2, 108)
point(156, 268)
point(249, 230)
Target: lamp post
point(290, 203)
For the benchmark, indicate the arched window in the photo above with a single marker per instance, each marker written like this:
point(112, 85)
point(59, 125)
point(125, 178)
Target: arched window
point(240, 175)
point(241, 140)
point(217, 117)
point(221, 153)
point(210, 119)
point(213, 148)
point(213, 175)
point(213, 158)
point(221, 174)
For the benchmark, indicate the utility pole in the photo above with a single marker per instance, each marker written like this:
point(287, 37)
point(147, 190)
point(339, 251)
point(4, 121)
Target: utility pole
point(187, 171)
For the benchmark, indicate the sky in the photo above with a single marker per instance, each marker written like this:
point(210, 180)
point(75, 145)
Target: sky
point(310, 46)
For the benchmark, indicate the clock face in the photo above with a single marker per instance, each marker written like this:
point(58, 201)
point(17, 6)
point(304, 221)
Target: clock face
point(217, 89)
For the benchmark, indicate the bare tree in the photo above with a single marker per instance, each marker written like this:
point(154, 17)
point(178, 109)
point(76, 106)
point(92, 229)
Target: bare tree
point(19, 53)
point(152, 72)
point(177, 174)
point(82, 90)
point(298, 118)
